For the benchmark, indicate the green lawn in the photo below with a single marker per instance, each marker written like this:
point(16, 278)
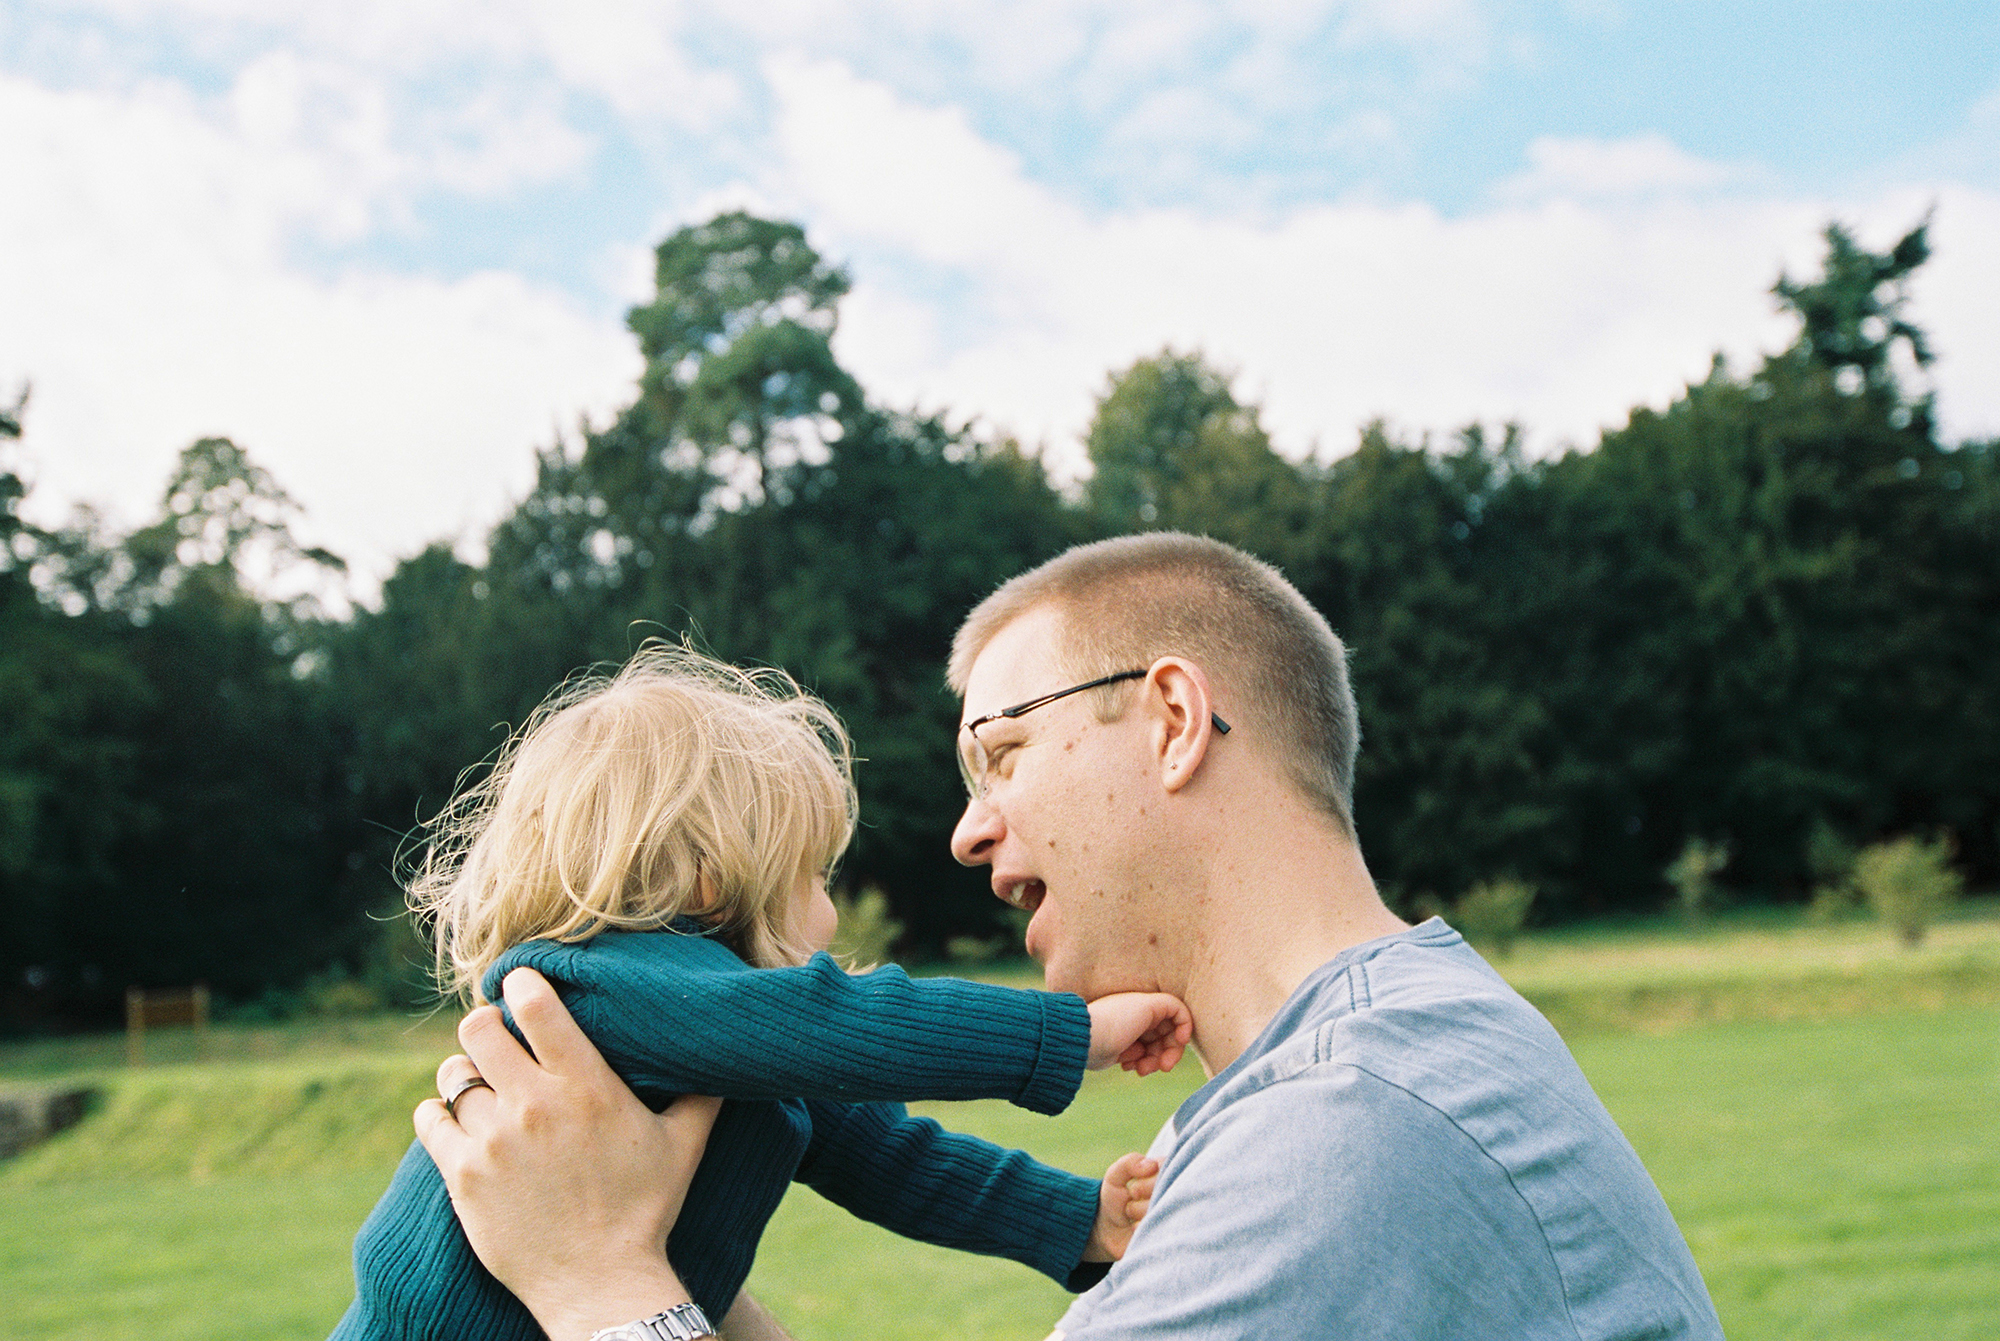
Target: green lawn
point(1837, 1177)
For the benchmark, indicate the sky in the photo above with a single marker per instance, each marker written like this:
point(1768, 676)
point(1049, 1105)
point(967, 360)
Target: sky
point(387, 245)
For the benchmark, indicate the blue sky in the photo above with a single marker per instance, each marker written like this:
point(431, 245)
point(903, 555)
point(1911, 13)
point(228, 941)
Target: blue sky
point(387, 246)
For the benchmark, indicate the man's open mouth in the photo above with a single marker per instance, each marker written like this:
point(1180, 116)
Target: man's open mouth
point(1024, 894)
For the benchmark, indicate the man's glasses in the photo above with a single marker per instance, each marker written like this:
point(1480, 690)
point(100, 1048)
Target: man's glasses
point(975, 765)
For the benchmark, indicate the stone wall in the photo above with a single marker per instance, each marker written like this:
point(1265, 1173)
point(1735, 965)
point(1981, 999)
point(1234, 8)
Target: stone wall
point(32, 1113)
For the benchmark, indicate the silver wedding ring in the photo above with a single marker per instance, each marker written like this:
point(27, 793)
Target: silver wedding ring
point(451, 1103)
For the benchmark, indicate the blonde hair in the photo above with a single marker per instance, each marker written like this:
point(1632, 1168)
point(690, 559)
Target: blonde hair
point(1125, 603)
point(678, 786)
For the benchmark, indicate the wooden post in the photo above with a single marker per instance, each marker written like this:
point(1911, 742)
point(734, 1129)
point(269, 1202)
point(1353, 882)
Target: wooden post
point(187, 1006)
point(201, 1018)
point(135, 1025)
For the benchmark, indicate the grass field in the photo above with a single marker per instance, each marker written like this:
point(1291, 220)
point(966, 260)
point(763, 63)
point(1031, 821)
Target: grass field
point(1821, 1111)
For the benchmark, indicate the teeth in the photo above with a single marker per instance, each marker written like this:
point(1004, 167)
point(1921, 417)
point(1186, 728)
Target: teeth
point(1018, 895)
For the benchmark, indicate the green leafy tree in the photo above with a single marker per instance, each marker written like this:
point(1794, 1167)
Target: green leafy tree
point(774, 519)
point(1171, 447)
point(1852, 317)
point(739, 360)
point(179, 808)
point(1746, 611)
point(70, 703)
point(1401, 559)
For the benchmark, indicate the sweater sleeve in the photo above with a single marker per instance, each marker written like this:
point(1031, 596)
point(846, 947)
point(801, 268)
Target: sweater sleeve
point(914, 1178)
point(677, 1014)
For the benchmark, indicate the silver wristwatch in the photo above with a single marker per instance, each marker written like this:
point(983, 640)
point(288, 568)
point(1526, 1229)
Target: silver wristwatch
point(682, 1322)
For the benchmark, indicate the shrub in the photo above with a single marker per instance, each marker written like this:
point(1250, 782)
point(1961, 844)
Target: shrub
point(867, 933)
point(1909, 882)
point(1491, 913)
point(972, 951)
point(1692, 875)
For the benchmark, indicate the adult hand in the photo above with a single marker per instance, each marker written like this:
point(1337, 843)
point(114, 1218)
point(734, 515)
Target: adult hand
point(565, 1183)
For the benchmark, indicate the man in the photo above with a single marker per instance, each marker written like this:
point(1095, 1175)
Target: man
point(1158, 741)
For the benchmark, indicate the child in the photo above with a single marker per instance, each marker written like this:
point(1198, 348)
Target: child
point(656, 845)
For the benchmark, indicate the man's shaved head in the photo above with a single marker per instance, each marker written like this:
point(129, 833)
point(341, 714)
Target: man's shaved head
point(1125, 603)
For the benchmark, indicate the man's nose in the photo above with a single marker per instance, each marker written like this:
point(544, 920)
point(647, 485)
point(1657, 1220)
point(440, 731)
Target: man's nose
point(978, 831)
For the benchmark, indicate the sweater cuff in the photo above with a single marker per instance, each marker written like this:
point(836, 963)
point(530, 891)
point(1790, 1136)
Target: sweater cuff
point(1059, 1062)
point(1071, 1216)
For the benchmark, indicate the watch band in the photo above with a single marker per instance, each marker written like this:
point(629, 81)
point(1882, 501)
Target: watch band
point(682, 1322)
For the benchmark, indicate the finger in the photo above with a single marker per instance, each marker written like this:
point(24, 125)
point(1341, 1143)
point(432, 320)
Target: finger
point(494, 1051)
point(441, 1136)
point(1136, 1208)
point(452, 1072)
point(547, 1025)
point(458, 1081)
point(687, 1121)
point(1140, 1189)
point(1128, 1165)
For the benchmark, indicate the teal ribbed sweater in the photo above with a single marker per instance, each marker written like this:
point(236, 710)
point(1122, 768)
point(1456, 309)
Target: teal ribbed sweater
point(811, 1061)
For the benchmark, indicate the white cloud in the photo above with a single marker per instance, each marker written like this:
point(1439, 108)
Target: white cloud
point(1644, 165)
point(1562, 311)
point(143, 269)
point(149, 243)
point(922, 177)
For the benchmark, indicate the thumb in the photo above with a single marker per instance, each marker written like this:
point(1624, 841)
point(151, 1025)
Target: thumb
point(687, 1122)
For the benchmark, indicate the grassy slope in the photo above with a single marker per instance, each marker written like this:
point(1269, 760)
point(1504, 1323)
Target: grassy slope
point(1836, 1177)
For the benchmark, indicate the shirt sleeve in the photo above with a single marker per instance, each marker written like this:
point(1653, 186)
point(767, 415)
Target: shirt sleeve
point(914, 1178)
point(1329, 1204)
point(693, 1019)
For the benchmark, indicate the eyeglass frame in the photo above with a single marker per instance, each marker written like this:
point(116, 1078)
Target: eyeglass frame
point(971, 728)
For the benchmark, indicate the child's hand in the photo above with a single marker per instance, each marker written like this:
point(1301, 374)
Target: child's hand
point(1122, 1200)
point(1141, 1031)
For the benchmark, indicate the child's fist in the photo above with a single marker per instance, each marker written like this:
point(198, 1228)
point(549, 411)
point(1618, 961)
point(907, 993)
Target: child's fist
point(1122, 1202)
point(1141, 1031)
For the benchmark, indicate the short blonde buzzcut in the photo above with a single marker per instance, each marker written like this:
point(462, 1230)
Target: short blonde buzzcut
point(678, 786)
point(1125, 603)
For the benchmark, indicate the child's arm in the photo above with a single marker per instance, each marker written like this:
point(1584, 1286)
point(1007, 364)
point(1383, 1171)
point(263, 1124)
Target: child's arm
point(914, 1178)
point(679, 1014)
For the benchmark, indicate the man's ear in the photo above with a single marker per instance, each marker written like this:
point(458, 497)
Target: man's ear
point(1179, 691)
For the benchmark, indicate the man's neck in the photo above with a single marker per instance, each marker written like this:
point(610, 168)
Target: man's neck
point(1287, 908)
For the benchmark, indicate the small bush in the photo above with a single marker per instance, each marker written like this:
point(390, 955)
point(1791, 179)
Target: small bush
point(867, 933)
point(1692, 875)
point(972, 951)
point(1491, 913)
point(1909, 883)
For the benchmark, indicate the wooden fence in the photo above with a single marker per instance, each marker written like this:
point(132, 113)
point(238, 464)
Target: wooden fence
point(186, 1006)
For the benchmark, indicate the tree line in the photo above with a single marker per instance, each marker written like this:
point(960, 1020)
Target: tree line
point(1762, 619)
